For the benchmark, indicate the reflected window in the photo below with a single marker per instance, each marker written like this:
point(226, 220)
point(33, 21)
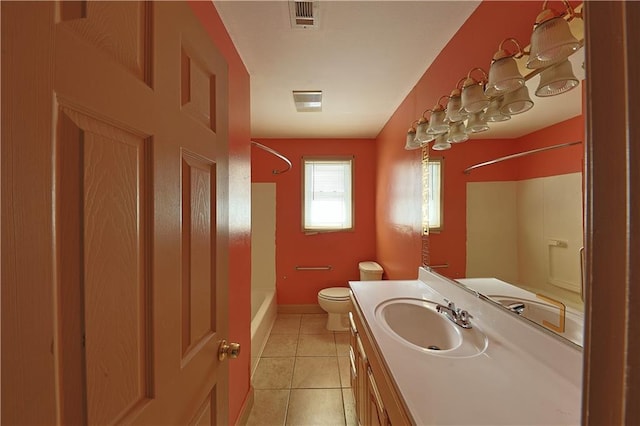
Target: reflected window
point(328, 194)
point(435, 175)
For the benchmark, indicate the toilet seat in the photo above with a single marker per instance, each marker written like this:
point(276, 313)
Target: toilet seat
point(335, 293)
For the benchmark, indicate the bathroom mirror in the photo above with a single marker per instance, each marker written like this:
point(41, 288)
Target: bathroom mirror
point(524, 234)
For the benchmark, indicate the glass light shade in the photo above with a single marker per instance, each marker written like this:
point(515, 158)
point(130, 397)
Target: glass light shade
point(457, 133)
point(516, 102)
point(454, 111)
point(551, 42)
point(437, 124)
point(504, 77)
point(411, 142)
point(493, 113)
point(557, 79)
point(422, 137)
point(441, 143)
point(473, 98)
point(477, 123)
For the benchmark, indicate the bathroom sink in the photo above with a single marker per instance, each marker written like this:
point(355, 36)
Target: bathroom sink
point(416, 324)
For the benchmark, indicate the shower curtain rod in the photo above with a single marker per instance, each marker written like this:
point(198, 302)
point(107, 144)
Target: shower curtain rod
point(277, 154)
point(520, 154)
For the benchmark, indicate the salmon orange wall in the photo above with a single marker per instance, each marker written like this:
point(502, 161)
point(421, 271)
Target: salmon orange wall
point(341, 250)
point(239, 211)
point(398, 171)
point(398, 198)
point(557, 161)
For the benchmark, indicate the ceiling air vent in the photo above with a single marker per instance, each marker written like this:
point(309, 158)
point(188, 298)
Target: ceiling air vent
point(308, 100)
point(304, 14)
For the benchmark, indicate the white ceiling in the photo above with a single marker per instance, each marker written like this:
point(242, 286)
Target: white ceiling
point(362, 57)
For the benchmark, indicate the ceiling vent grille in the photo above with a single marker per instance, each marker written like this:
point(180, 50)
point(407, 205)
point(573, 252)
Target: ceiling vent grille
point(308, 100)
point(304, 14)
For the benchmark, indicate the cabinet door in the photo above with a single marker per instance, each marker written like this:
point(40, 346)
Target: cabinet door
point(361, 386)
point(377, 415)
point(352, 354)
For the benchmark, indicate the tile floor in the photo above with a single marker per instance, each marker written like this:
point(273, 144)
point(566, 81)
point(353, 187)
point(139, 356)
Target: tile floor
point(302, 377)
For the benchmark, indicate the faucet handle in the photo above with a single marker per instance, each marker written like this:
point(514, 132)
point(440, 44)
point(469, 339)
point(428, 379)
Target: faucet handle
point(464, 316)
point(450, 305)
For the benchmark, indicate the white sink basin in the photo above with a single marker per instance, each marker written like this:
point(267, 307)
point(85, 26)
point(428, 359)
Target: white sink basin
point(416, 324)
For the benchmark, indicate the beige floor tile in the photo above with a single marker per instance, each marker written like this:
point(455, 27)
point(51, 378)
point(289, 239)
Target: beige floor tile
point(269, 408)
point(315, 407)
point(316, 372)
point(314, 324)
point(344, 366)
point(316, 345)
point(286, 324)
point(273, 373)
point(342, 343)
point(280, 345)
point(349, 407)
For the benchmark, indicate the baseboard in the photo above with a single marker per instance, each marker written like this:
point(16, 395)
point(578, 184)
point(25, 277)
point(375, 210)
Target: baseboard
point(243, 417)
point(300, 309)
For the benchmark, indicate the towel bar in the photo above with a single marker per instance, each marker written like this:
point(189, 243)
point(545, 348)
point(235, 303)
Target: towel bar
point(314, 268)
point(440, 266)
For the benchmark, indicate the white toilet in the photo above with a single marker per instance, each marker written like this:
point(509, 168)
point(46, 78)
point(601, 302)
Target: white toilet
point(335, 300)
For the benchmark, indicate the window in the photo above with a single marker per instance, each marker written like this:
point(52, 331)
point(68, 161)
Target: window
point(434, 193)
point(328, 194)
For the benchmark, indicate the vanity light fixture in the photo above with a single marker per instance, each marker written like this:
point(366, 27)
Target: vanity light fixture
point(517, 102)
point(441, 143)
point(457, 132)
point(411, 138)
point(556, 79)
point(437, 125)
point(454, 106)
point(473, 97)
point(477, 123)
point(422, 137)
point(552, 40)
point(496, 96)
point(504, 76)
point(493, 113)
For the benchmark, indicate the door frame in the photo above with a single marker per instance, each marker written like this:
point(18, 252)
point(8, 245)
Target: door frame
point(611, 373)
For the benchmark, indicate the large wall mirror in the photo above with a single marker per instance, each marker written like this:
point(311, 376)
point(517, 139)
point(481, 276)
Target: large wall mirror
point(513, 210)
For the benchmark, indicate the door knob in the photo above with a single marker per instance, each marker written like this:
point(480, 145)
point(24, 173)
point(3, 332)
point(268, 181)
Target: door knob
point(231, 350)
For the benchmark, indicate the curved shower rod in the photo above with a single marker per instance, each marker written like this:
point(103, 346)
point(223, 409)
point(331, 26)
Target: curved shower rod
point(520, 154)
point(277, 154)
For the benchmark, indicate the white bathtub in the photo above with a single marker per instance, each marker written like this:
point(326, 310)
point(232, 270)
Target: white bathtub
point(263, 314)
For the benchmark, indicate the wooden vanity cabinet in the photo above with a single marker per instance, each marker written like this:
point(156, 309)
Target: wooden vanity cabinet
point(376, 399)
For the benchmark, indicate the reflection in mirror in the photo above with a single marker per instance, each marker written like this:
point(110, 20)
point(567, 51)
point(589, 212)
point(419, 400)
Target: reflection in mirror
point(525, 229)
point(435, 172)
point(528, 232)
point(514, 228)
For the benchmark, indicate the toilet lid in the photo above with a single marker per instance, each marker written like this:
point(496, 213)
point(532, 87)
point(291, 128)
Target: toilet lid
point(370, 266)
point(335, 293)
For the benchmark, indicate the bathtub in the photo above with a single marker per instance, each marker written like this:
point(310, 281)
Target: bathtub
point(263, 314)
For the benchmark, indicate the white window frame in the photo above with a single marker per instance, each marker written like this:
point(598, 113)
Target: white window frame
point(313, 220)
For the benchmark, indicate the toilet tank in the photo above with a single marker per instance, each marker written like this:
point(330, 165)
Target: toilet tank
point(370, 271)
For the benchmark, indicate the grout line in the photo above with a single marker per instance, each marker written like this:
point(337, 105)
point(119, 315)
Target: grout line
point(340, 388)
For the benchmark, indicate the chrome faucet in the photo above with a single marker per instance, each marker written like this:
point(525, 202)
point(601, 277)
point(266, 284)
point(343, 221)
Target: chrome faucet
point(517, 307)
point(456, 315)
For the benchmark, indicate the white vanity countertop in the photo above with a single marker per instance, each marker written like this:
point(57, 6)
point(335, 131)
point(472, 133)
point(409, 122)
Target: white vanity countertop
point(524, 377)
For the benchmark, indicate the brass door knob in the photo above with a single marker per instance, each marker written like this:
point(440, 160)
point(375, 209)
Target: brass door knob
point(231, 350)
